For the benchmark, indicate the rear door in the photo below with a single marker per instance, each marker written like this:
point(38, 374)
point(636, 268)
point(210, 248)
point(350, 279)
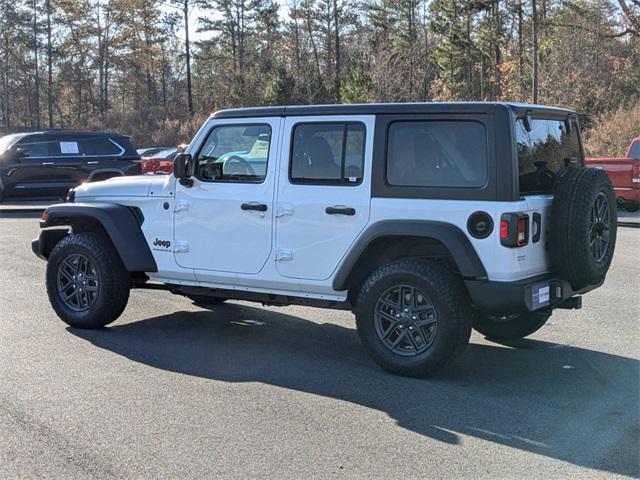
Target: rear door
point(324, 192)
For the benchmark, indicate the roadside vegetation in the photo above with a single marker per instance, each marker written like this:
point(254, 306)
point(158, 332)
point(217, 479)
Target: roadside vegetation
point(126, 65)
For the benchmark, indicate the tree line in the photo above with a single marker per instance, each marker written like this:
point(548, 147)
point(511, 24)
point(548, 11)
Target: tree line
point(130, 65)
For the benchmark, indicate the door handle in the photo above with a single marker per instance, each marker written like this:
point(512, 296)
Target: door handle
point(47, 163)
point(341, 211)
point(258, 207)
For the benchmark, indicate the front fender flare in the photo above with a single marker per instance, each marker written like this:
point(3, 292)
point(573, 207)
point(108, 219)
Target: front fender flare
point(449, 235)
point(120, 224)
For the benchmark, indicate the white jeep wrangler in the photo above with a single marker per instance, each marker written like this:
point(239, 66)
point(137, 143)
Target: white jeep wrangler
point(424, 219)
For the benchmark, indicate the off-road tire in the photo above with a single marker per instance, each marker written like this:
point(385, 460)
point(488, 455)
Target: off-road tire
point(512, 328)
point(114, 281)
point(206, 300)
point(452, 307)
point(577, 190)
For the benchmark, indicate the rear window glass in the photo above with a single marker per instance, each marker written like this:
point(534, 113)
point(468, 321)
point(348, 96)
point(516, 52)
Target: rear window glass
point(100, 146)
point(437, 154)
point(543, 152)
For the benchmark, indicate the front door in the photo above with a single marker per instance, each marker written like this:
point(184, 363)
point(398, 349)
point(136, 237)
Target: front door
point(31, 174)
point(324, 192)
point(223, 222)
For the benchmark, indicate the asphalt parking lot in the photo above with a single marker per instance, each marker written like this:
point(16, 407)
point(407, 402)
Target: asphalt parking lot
point(172, 390)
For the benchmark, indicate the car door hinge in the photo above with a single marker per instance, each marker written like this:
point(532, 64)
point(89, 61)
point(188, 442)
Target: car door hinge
point(284, 210)
point(181, 247)
point(181, 206)
point(284, 255)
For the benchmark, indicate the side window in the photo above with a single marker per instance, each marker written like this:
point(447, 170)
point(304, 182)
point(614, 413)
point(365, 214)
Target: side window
point(35, 149)
point(100, 146)
point(437, 154)
point(235, 153)
point(327, 153)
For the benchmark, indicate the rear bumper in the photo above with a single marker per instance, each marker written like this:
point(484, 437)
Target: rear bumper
point(508, 298)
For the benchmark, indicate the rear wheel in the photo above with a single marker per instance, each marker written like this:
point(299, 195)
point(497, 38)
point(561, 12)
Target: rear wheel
point(509, 328)
point(87, 283)
point(413, 317)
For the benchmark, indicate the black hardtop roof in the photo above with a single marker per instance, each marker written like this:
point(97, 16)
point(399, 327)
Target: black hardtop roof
point(384, 108)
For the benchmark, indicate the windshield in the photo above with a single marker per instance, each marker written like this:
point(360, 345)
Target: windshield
point(8, 140)
point(544, 152)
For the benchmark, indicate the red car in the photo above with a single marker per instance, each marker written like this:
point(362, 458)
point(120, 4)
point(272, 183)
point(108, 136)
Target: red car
point(624, 174)
point(161, 162)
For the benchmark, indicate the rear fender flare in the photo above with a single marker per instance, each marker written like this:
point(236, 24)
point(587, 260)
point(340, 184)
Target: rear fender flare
point(449, 235)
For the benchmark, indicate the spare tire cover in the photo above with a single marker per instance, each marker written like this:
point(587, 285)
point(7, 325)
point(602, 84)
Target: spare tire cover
point(583, 226)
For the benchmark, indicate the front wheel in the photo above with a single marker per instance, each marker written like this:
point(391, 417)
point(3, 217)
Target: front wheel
point(413, 317)
point(87, 283)
point(509, 328)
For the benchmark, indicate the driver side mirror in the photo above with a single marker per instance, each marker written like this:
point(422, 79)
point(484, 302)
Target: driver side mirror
point(183, 168)
point(15, 154)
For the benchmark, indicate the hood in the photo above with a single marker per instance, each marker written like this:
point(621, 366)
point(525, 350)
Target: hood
point(134, 186)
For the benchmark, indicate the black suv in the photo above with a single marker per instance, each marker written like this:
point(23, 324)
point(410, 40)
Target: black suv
point(49, 163)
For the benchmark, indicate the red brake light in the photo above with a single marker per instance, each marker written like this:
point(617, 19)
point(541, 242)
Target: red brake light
point(514, 229)
point(504, 229)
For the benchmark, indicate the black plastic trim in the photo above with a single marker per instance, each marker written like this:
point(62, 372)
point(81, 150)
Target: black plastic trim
point(473, 219)
point(48, 239)
point(451, 236)
point(511, 298)
point(118, 221)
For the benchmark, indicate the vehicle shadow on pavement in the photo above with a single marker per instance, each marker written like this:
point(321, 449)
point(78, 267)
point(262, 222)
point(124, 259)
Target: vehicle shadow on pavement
point(575, 405)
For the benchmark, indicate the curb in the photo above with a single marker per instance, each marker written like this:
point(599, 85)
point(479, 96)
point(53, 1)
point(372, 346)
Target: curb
point(629, 224)
point(4, 211)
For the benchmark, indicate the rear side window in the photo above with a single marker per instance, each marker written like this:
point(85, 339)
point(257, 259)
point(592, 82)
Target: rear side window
point(634, 151)
point(543, 152)
point(437, 154)
point(328, 153)
point(101, 146)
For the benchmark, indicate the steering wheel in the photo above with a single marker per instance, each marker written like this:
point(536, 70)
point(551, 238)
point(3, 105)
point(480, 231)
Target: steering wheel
point(243, 165)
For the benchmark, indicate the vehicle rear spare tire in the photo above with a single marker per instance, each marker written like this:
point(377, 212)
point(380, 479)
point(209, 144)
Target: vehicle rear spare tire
point(583, 226)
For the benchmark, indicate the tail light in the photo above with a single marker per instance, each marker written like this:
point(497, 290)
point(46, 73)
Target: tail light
point(514, 229)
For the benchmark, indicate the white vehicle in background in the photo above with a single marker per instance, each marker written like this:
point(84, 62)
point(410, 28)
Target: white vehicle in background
point(424, 219)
